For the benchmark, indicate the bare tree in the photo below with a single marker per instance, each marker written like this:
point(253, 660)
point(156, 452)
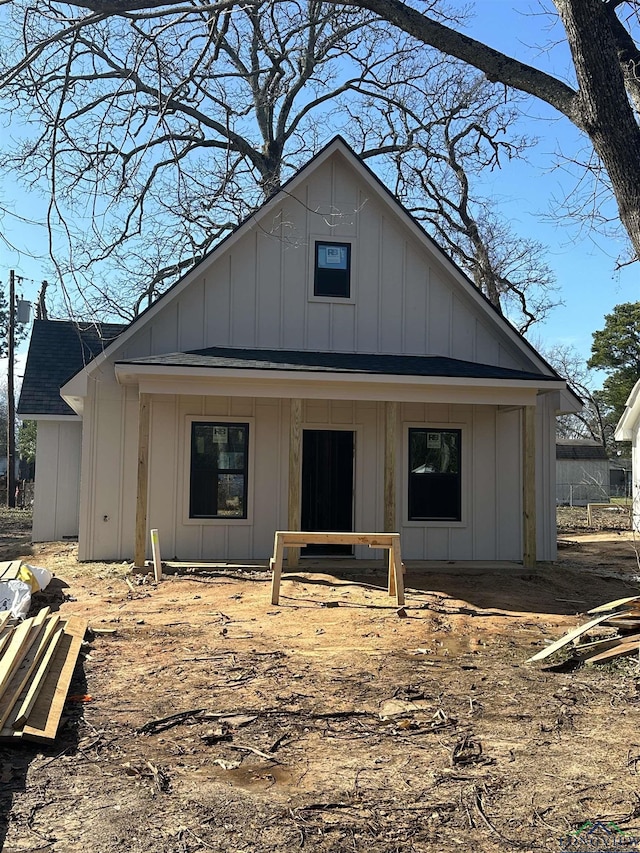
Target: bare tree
point(162, 125)
point(593, 421)
point(433, 175)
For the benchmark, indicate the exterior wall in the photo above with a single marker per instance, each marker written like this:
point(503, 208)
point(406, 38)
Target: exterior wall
point(258, 291)
point(57, 486)
point(635, 468)
point(492, 477)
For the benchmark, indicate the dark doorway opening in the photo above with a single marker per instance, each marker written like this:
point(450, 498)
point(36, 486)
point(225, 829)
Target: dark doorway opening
point(327, 485)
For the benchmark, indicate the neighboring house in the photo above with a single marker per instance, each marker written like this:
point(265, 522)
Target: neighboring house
point(582, 472)
point(628, 429)
point(58, 350)
point(326, 366)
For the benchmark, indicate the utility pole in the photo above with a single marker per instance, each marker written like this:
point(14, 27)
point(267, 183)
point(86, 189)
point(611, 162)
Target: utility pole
point(11, 402)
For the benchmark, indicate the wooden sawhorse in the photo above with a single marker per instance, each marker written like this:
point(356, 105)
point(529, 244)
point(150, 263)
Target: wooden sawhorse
point(298, 538)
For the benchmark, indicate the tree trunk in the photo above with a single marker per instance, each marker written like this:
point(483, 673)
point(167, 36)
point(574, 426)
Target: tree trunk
point(605, 113)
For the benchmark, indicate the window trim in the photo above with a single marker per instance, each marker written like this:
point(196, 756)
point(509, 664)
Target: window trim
point(314, 239)
point(465, 479)
point(217, 521)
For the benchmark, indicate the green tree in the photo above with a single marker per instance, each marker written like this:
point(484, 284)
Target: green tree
point(616, 350)
point(27, 434)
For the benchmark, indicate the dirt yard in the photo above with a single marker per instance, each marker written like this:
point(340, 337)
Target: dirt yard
point(331, 722)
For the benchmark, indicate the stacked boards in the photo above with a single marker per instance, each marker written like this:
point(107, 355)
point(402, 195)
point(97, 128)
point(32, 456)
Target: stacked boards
point(10, 570)
point(37, 660)
point(623, 615)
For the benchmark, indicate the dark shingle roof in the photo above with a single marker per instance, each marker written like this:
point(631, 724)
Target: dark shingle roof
point(334, 362)
point(578, 449)
point(57, 351)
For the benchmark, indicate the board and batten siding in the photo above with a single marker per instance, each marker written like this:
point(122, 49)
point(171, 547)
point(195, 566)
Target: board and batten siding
point(492, 476)
point(56, 496)
point(256, 291)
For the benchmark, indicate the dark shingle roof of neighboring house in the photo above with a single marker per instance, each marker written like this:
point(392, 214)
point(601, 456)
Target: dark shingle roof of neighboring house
point(334, 362)
point(57, 351)
point(580, 449)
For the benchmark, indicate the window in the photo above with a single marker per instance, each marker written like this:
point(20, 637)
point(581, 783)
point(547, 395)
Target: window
point(434, 475)
point(218, 482)
point(332, 270)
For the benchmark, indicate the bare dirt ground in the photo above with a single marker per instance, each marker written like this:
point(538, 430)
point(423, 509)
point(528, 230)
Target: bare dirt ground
point(330, 723)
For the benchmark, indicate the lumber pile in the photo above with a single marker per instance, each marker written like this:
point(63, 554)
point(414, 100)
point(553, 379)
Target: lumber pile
point(10, 570)
point(37, 659)
point(623, 615)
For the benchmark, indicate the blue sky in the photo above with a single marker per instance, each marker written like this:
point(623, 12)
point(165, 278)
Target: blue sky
point(583, 261)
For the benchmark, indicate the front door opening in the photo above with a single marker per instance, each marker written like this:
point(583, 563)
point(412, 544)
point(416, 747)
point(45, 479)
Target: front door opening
point(327, 485)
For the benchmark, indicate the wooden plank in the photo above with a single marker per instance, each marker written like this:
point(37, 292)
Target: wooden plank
point(276, 565)
point(607, 643)
point(397, 568)
point(295, 475)
point(563, 641)
point(144, 418)
point(529, 486)
point(621, 650)
point(613, 605)
point(44, 719)
point(4, 618)
point(312, 537)
point(4, 642)
point(155, 551)
point(42, 637)
point(9, 570)
point(390, 425)
point(27, 699)
point(15, 651)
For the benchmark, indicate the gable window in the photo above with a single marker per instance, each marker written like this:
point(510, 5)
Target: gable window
point(332, 269)
point(218, 475)
point(435, 492)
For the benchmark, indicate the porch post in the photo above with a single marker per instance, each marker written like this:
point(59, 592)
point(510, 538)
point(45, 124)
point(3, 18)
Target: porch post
point(529, 486)
point(390, 420)
point(143, 481)
point(295, 447)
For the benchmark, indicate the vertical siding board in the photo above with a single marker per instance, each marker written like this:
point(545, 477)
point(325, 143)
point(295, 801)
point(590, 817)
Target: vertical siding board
point(343, 328)
point(392, 279)
point(415, 303)
point(266, 467)
point(191, 333)
point(295, 265)
point(162, 467)
point(483, 497)
point(217, 298)
point(464, 329)
point(269, 286)
point(243, 294)
point(509, 486)
point(440, 316)
point(318, 332)
point(109, 448)
point(45, 493)
point(367, 250)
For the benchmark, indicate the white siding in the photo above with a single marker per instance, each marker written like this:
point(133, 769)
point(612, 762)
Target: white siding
point(491, 477)
point(257, 292)
point(57, 487)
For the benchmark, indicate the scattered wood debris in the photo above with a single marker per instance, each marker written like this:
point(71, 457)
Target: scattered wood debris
point(37, 659)
point(623, 615)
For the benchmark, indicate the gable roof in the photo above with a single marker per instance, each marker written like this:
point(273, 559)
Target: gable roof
point(338, 144)
point(57, 351)
point(580, 449)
